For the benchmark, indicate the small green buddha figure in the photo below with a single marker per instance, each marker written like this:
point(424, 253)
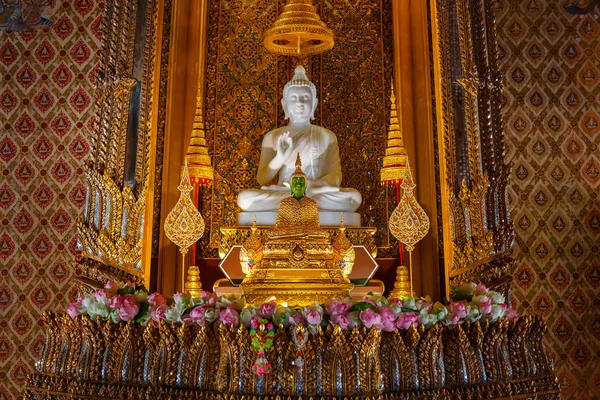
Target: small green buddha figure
point(298, 211)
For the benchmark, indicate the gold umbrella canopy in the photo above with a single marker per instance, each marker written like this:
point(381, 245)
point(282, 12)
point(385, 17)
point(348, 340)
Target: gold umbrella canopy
point(299, 31)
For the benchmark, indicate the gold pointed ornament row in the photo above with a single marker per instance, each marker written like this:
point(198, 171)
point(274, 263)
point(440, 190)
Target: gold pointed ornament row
point(409, 223)
point(184, 225)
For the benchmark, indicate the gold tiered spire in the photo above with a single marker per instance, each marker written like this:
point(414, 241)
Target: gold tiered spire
point(299, 31)
point(394, 162)
point(197, 155)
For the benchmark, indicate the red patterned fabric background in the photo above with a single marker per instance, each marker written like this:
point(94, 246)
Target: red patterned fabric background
point(550, 61)
point(46, 92)
point(552, 80)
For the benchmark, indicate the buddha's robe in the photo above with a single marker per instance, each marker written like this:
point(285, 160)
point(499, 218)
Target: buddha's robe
point(319, 152)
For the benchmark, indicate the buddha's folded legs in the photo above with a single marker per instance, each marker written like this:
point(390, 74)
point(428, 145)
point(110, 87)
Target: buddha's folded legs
point(261, 200)
point(347, 200)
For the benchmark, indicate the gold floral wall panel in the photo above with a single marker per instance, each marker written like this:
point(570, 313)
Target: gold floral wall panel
point(552, 87)
point(46, 116)
point(243, 92)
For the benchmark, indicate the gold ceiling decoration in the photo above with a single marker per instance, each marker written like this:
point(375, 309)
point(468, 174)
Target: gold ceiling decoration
point(184, 225)
point(199, 166)
point(299, 31)
point(394, 161)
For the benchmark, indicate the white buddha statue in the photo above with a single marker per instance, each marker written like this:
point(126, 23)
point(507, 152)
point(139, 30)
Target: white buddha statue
point(317, 147)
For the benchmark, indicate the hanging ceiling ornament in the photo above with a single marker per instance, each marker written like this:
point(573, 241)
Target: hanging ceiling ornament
point(184, 225)
point(299, 31)
point(394, 161)
point(200, 170)
point(409, 222)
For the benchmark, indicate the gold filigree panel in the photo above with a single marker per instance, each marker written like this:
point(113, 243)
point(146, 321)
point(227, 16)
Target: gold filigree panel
point(243, 91)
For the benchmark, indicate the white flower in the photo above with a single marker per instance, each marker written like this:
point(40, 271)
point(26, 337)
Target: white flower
point(247, 313)
point(428, 320)
point(97, 309)
point(174, 313)
point(497, 297)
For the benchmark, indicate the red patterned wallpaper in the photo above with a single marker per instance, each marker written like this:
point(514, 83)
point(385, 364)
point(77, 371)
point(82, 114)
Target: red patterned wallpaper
point(46, 91)
point(551, 62)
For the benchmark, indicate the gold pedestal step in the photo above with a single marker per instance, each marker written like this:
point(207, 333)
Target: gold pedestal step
point(375, 286)
point(237, 235)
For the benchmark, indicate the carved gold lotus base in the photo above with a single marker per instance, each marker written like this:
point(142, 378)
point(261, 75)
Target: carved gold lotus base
point(90, 359)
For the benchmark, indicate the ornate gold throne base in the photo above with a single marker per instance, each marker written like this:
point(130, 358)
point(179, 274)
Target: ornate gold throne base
point(237, 235)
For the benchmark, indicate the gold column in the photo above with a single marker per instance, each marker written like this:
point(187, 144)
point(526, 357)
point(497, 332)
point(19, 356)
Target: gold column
point(413, 85)
point(186, 68)
point(445, 196)
point(149, 211)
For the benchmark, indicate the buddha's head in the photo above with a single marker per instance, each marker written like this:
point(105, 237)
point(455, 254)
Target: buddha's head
point(299, 97)
point(298, 180)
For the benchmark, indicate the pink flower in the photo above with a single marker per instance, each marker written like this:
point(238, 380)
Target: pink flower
point(208, 298)
point(73, 309)
point(157, 299)
point(484, 303)
point(388, 319)
point(254, 321)
point(115, 302)
point(370, 318)
point(339, 319)
point(197, 315)
point(313, 315)
point(158, 313)
point(130, 284)
point(112, 287)
point(480, 290)
point(230, 317)
point(267, 309)
point(459, 308)
point(129, 308)
point(452, 318)
point(424, 305)
point(406, 319)
point(337, 307)
point(370, 301)
point(182, 298)
point(297, 319)
point(511, 314)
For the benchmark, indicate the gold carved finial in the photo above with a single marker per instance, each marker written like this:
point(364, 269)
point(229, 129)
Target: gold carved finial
point(251, 252)
point(298, 171)
point(299, 31)
point(343, 249)
point(200, 168)
point(184, 225)
point(409, 222)
point(394, 161)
